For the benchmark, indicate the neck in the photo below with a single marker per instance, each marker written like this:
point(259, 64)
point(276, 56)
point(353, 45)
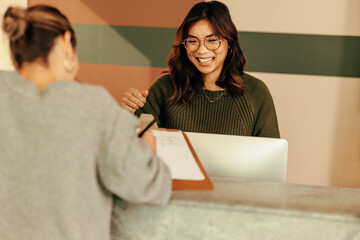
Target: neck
point(210, 83)
point(37, 73)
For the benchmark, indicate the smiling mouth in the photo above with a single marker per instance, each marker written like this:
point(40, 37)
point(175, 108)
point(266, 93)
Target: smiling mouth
point(206, 60)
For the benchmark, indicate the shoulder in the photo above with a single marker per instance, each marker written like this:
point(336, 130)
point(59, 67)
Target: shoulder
point(255, 88)
point(255, 92)
point(98, 98)
point(6, 76)
point(253, 84)
point(93, 93)
point(163, 82)
point(162, 87)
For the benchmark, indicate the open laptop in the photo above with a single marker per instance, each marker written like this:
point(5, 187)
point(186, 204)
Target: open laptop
point(241, 157)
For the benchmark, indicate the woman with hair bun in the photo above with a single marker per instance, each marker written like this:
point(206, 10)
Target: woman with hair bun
point(207, 89)
point(66, 148)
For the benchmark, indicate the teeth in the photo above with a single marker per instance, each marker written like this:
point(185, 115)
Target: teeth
point(205, 60)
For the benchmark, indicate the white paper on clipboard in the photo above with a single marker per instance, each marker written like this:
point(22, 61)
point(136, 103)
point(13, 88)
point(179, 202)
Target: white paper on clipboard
point(173, 149)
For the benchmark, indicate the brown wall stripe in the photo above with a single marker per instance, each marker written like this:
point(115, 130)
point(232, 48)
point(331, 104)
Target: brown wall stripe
point(117, 78)
point(154, 13)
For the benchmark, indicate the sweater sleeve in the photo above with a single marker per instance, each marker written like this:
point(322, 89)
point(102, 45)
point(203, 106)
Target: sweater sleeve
point(159, 93)
point(127, 167)
point(266, 124)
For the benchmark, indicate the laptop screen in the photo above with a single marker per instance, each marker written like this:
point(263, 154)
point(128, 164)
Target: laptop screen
point(241, 157)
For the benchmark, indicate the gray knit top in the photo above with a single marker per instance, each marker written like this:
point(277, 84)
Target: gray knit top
point(251, 113)
point(64, 152)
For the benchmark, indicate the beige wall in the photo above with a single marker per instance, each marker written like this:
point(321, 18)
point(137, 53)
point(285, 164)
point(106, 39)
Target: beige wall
point(318, 115)
point(5, 62)
point(330, 17)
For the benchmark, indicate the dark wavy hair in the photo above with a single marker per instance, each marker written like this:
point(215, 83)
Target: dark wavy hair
point(186, 78)
point(32, 32)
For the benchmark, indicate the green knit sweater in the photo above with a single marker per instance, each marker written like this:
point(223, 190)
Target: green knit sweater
point(251, 113)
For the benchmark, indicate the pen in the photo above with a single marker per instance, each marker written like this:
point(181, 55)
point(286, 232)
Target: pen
point(147, 127)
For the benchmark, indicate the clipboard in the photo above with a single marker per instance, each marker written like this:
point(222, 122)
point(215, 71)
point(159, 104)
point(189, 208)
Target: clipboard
point(194, 169)
point(205, 184)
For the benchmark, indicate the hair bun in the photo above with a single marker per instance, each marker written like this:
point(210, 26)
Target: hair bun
point(15, 23)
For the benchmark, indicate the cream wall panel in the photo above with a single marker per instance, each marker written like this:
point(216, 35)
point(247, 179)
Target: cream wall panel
point(329, 17)
point(320, 118)
point(5, 62)
point(318, 115)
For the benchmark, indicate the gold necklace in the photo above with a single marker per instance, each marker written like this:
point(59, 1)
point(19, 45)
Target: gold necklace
point(212, 101)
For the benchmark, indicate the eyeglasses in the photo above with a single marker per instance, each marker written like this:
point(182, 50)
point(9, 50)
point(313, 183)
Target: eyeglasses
point(192, 44)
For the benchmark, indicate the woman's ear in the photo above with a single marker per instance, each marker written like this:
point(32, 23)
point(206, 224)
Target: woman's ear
point(70, 61)
point(69, 50)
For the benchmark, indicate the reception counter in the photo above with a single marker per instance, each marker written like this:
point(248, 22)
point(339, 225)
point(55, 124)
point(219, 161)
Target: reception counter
point(244, 209)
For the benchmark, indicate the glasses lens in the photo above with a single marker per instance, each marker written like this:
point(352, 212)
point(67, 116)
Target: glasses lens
point(191, 44)
point(212, 42)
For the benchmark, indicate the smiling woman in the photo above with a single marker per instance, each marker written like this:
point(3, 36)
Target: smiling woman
point(208, 58)
point(207, 89)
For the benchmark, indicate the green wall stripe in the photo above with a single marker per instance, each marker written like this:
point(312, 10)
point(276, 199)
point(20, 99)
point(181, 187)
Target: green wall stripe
point(266, 52)
point(136, 46)
point(302, 54)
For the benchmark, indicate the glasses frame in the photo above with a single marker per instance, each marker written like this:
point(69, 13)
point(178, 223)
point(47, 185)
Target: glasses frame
point(202, 40)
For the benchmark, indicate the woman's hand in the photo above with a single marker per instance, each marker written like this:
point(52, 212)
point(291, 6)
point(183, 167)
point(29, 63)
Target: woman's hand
point(133, 99)
point(150, 139)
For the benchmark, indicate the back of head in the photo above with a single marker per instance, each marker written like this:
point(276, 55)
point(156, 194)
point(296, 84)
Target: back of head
point(32, 32)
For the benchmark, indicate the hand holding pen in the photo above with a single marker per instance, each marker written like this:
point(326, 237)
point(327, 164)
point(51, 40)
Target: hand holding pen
point(148, 137)
point(146, 128)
